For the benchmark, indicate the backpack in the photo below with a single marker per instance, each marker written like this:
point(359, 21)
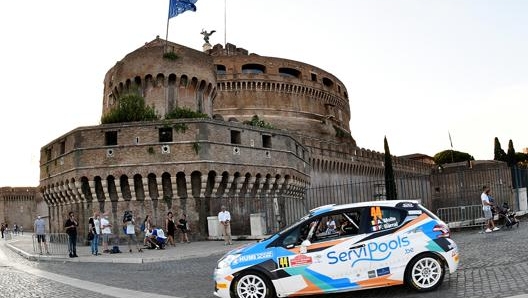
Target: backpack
point(115, 250)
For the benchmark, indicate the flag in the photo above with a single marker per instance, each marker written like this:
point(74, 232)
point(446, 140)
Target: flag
point(177, 7)
point(451, 142)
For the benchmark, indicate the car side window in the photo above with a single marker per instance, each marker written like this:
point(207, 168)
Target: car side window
point(383, 218)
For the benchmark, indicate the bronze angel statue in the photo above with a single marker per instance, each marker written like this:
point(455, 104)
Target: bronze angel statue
point(207, 34)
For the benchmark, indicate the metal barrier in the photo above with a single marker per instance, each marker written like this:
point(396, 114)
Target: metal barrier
point(57, 244)
point(462, 216)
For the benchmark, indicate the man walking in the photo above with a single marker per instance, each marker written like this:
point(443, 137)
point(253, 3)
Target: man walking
point(40, 230)
point(225, 224)
point(71, 229)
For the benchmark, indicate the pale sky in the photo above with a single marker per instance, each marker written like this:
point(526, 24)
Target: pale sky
point(414, 69)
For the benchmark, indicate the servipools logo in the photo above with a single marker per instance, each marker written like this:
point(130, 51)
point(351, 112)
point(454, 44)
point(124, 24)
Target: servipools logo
point(373, 252)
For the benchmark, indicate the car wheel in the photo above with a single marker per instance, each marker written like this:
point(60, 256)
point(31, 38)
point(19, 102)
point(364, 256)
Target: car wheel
point(253, 285)
point(425, 273)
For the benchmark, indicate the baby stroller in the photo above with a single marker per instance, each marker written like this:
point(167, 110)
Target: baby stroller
point(507, 216)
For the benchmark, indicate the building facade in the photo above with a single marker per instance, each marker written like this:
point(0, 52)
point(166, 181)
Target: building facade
point(193, 166)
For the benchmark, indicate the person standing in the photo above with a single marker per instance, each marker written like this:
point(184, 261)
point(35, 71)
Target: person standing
point(71, 229)
point(225, 224)
point(147, 227)
point(106, 231)
point(40, 230)
point(170, 226)
point(486, 208)
point(183, 225)
point(3, 229)
point(130, 230)
point(94, 224)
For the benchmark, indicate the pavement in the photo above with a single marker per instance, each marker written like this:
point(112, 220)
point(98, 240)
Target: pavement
point(24, 245)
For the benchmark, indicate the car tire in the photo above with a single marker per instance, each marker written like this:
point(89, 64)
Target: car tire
point(253, 285)
point(425, 272)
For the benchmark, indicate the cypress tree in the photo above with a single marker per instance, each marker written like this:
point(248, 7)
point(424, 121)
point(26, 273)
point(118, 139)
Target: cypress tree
point(511, 157)
point(390, 183)
point(498, 153)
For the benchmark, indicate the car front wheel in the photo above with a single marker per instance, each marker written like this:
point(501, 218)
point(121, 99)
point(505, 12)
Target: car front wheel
point(253, 285)
point(425, 273)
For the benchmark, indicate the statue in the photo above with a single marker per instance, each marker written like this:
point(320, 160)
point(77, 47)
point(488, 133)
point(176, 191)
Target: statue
point(207, 34)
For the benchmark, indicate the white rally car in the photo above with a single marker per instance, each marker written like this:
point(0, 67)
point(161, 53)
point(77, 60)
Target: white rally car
point(339, 248)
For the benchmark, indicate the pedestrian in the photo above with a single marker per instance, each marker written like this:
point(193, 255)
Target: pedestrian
point(129, 226)
point(15, 229)
point(71, 229)
point(40, 231)
point(21, 229)
point(94, 225)
point(486, 208)
point(147, 227)
point(225, 225)
point(170, 226)
point(184, 227)
point(3, 229)
point(106, 231)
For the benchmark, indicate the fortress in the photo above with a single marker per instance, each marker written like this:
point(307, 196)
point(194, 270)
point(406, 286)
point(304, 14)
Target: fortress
point(196, 165)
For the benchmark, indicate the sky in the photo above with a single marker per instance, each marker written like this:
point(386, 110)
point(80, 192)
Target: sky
point(416, 71)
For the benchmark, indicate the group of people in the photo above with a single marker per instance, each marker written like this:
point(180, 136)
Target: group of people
point(155, 236)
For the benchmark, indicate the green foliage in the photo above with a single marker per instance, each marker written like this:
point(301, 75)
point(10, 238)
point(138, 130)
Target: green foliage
point(341, 133)
point(180, 127)
point(511, 159)
point(255, 121)
point(130, 108)
point(451, 156)
point(390, 183)
point(184, 113)
point(170, 56)
point(196, 147)
point(498, 153)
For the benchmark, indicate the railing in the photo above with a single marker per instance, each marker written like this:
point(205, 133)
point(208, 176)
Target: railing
point(57, 244)
point(462, 216)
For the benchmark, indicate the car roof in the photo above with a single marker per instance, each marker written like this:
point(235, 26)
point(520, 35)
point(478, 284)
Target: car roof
point(336, 207)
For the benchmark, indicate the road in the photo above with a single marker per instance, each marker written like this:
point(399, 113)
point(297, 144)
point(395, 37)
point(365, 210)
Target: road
point(492, 265)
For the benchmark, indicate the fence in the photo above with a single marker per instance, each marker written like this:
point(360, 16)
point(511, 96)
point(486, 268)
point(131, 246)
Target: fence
point(462, 216)
point(57, 244)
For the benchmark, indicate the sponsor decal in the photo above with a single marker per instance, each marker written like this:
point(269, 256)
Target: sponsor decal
point(301, 260)
point(253, 257)
point(371, 274)
point(383, 271)
point(415, 212)
point(372, 252)
point(384, 223)
point(283, 262)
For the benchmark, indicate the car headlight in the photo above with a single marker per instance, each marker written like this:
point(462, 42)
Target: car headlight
point(227, 260)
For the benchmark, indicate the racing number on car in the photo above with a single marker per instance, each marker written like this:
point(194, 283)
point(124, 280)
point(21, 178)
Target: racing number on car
point(375, 212)
point(284, 262)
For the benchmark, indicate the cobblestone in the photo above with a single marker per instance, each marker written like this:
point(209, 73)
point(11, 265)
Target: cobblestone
point(492, 266)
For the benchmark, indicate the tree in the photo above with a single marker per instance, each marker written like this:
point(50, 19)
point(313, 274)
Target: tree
point(511, 158)
point(498, 153)
point(450, 156)
point(390, 183)
point(130, 108)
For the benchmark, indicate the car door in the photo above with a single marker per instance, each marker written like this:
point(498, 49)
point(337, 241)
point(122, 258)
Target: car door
point(319, 260)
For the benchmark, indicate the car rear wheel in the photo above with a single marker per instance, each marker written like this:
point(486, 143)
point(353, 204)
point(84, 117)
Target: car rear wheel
point(253, 285)
point(425, 273)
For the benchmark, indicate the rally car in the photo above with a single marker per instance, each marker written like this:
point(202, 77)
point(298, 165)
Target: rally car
point(339, 248)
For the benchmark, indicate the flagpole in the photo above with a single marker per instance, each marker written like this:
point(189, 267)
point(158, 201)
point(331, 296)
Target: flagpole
point(225, 23)
point(451, 142)
point(167, 32)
